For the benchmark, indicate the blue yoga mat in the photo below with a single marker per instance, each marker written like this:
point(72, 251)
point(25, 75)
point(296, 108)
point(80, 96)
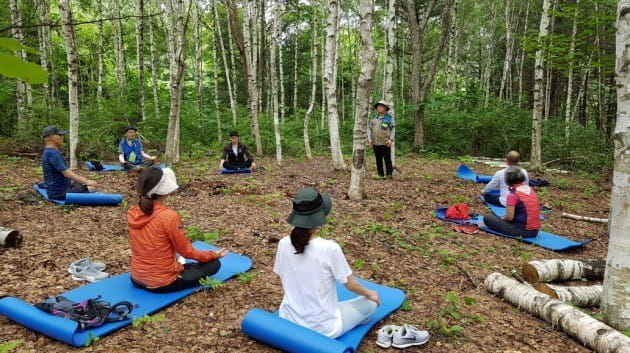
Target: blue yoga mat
point(466, 173)
point(85, 198)
point(235, 171)
point(113, 290)
point(545, 240)
point(106, 167)
point(269, 328)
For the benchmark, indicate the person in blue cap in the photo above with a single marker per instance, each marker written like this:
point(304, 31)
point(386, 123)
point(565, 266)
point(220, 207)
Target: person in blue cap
point(58, 178)
point(130, 152)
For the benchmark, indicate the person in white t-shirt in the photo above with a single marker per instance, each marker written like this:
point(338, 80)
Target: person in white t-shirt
point(498, 181)
point(309, 266)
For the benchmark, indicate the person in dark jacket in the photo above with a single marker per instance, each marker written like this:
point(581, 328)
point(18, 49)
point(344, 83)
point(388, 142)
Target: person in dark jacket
point(234, 154)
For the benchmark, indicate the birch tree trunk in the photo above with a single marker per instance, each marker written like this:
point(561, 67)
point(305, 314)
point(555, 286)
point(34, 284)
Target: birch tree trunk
point(356, 190)
point(549, 61)
point(21, 86)
point(487, 71)
point(509, 44)
point(238, 35)
point(178, 30)
point(581, 296)
point(215, 85)
point(281, 80)
point(313, 76)
point(274, 79)
point(295, 69)
point(154, 78)
point(615, 303)
point(65, 13)
point(390, 41)
point(562, 269)
point(228, 77)
point(42, 15)
point(330, 81)
point(591, 332)
point(536, 160)
point(451, 56)
point(140, 53)
point(119, 49)
point(521, 98)
point(197, 71)
point(567, 106)
point(252, 85)
point(231, 50)
point(99, 85)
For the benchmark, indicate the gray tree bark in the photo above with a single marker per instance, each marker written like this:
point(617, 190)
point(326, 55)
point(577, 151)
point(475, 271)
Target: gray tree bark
point(65, 13)
point(22, 88)
point(154, 66)
point(140, 54)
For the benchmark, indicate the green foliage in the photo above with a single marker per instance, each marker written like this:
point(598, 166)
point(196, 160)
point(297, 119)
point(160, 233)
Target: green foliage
point(210, 283)
point(406, 305)
point(14, 67)
point(9, 346)
point(91, 339)
point(194, 233)
point(245, 277)
point(146, 319)
point(358, 264)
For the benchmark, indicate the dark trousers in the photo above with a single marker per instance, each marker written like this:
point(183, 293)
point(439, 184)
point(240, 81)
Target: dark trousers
point(144, 164)
point(189, 277)
point(74, 187)
point(382, 152)
point(508, 228)
point(493, 199)
point(236, 165)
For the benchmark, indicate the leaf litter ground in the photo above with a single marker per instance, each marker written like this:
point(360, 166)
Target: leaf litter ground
point(392, 237)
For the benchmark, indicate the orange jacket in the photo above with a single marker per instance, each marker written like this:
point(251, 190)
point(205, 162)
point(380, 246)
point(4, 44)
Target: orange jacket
point(155, 239)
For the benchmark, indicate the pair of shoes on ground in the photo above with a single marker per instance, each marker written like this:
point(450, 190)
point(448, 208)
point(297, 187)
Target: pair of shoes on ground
point(401, 336)
point(87, 270)
point(381, 177)
point(467, 228)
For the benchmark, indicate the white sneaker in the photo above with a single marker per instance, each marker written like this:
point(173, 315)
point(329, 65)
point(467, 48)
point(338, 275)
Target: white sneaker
point(88, 274)
point(408, 336)
point(384, 335)
point(86, 262)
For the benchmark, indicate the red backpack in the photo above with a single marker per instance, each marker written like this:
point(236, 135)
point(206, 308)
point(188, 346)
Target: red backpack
point(459, 211)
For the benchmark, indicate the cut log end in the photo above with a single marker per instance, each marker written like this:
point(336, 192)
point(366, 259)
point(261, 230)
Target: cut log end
point(529, 273)
point(543, 288)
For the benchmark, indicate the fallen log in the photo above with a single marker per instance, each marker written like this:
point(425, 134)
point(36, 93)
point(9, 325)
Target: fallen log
point(582, 296)
point(584, 218)
point(10, 237)
point(593, 333)
point(562, 269)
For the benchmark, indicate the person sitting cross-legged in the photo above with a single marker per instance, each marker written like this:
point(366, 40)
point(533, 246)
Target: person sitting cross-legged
point(522, 216)
point(58, 178)
point(156, 234)
point(309, 266)
point(234, 154)
point(130, 152)
point(498, 181)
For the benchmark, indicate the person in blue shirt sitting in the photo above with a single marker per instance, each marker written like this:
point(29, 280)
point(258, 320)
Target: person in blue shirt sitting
point(130, 152)
point(58, 179)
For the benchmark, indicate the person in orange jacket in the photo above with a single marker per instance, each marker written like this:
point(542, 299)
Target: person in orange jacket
point(157, 234)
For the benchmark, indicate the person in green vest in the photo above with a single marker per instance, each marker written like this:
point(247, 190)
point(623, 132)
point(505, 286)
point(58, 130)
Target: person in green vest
point(381, 132)
point(130, 152)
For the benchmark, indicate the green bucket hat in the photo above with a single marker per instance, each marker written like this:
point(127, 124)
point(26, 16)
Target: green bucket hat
point(309, 209)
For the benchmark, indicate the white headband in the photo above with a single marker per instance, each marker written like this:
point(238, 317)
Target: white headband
point(166, 185)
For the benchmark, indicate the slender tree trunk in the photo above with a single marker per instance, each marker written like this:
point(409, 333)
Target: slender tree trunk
point(42, 16)
point(154, 78)
point(140, 54)
point(323, 78)
point(281, 83)
point(274, 80)
point(451, 57)
point(295, 69)
point(509, 44)
point(119, 50)
point(567, 107)
point(231, 49)
point(521, 73)
point(549, 71)
point(390, 41)
point(177, 67)
point(21, 86)
point(487, 73)
point(215, 84)
point(99, 85)
point(615, 303)
point(197, 72)
point(536, 160)
point(65, 13)
point(330, 80)
point(252, 85)
point(356, 190)
point(228, 77)
point(313, 76)
point(237, 34)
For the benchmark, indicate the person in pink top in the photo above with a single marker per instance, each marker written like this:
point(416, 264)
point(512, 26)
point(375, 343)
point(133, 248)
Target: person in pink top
point(522, 216)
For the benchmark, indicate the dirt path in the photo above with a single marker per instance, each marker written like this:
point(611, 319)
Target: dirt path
point(392, 238)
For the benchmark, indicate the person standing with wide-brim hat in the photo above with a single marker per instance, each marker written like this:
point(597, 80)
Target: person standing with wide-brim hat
point(309, 266)
point(381, 132)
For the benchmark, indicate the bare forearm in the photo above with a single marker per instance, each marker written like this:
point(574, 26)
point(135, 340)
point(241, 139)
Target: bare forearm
point(75, 177)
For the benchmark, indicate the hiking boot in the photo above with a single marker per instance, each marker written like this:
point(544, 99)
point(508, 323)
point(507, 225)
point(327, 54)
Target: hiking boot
point(408, 336)
point(88, 274)
point(385, 334)
point(378, 177)
point(86, 262)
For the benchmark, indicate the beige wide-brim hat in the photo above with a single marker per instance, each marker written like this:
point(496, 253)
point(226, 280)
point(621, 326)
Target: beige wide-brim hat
point(310, 209)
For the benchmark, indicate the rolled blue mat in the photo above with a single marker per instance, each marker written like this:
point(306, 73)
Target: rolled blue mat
point(484, 179)
point(85, 198)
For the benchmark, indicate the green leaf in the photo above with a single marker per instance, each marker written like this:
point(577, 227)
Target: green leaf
point(14, 67)
point(451, 297)
point(15, 45)
point(469, 300)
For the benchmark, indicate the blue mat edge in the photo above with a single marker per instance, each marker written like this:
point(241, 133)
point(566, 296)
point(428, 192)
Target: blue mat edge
point(116, 198)
point(235, 171)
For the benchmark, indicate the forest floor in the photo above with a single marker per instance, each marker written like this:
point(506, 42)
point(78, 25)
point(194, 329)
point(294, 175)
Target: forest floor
point(392, 237)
